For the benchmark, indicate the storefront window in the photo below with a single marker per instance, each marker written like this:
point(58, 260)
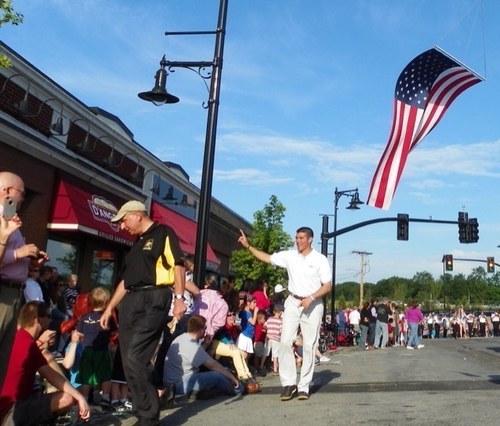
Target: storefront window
point(103, 266)
point(62, 256)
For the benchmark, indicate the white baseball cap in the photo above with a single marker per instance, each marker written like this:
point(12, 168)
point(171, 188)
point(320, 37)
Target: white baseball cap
point(278, 288)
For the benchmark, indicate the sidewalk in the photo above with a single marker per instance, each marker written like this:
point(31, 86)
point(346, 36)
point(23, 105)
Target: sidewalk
point(185, 408)
point(449, 382)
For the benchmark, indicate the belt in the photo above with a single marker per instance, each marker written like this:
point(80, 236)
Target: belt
point(12, 284)
point(139, 288)
point(298, 297)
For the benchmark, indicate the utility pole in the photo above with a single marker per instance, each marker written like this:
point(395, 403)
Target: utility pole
point(363, 254)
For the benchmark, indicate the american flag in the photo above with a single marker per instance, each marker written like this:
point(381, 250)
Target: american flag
point(424, 91)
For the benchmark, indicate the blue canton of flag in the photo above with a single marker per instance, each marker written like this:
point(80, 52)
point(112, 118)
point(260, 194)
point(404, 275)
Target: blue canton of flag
point(417, 78)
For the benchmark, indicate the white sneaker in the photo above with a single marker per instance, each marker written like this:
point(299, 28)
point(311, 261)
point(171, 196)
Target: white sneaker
point(324, 359)
point(420, 346)
point(410, 347)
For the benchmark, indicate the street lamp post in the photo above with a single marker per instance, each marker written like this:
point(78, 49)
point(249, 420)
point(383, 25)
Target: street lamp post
point(353, 205)
point(159, 96)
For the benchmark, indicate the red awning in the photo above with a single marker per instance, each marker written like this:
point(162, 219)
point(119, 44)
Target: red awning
point(185, 229)
point(76, 209)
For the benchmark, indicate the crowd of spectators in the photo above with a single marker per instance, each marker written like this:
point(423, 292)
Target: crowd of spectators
point(384, 324)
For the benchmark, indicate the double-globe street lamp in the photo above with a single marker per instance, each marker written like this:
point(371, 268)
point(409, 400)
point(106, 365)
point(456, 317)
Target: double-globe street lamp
point(354, 204)
point(159, 96)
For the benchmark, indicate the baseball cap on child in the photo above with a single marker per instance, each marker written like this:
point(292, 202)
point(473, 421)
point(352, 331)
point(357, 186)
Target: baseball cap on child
point(278, 288)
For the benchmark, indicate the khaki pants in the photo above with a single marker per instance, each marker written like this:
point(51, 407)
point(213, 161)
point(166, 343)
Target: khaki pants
point(223, 349)
point(10, 305)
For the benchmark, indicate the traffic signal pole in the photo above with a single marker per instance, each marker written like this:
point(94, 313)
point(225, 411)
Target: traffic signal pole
point(327, 235)
point(402, 234)
point(474, 260)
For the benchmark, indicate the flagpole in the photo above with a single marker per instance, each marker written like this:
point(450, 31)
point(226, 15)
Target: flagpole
point(444, 52)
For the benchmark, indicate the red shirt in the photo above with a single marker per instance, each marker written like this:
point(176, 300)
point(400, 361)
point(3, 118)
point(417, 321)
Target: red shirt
point(260, 333)
point(25, 360)
point(261, 299)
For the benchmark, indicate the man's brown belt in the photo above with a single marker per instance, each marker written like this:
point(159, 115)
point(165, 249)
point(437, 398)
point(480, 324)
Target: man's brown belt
point(298, 297)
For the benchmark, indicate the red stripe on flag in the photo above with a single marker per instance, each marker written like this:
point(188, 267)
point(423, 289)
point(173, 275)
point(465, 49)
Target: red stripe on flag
point(441, 97)
point(394, 158)
point(410, 125)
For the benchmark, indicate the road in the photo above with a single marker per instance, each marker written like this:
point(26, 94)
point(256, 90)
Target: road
point(449, 382)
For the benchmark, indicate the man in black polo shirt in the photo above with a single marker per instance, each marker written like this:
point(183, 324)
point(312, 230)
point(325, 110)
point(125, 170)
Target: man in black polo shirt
point(153, 267)
point(381, 326)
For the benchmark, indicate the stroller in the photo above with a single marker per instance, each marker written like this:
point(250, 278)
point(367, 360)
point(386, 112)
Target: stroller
point(327, 337)
point(348, 337)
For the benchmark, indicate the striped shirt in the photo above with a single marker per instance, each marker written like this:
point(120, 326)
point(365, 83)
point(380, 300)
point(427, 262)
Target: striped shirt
point(70, 295)
point(273, 325)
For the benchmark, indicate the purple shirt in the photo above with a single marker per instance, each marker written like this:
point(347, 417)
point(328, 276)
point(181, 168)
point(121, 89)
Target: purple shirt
point(12, 268)
point(414, 315)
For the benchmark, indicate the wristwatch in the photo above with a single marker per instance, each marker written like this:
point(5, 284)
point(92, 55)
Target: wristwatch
point(180, 297)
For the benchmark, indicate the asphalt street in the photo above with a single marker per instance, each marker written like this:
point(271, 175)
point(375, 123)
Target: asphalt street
point(449, 382)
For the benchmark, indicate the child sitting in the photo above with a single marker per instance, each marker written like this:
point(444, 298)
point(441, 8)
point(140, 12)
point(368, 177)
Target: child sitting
point(224, 345)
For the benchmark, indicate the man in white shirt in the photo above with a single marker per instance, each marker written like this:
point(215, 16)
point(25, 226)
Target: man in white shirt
point(354, 317)
point(309, 276)
point(32, 290)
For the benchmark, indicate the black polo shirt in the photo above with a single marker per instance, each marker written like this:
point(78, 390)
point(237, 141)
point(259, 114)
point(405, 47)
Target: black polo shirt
point(152, 258)
point(383, 312)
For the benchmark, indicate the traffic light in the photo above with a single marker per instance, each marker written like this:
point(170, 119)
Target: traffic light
point(448, 261)
point(402, 229)
point(463, 218)
point(473, 231)
point(490, 262)
point(468, 229)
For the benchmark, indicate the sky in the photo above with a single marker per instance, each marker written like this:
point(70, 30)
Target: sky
point(306, 101)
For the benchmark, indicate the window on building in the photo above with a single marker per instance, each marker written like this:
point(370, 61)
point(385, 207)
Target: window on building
point(103, 267)
point(63, 256)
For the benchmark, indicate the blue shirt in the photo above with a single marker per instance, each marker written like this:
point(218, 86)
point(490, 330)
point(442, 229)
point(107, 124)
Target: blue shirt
point(93, 335)
point(247, 329)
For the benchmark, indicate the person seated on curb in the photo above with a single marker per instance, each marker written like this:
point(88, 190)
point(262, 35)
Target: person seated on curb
point(224, 345)
point(184, 358)
point(212, 306)
point(18, 405)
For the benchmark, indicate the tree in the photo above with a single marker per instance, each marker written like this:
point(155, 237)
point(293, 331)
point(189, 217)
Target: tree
point(268, 236)
point(340, 303)
point(348, 290)
point(68, 262)
point(8, 15)
point(476, 291)
point(399, 291)
point(478, 286)
point(458, 290)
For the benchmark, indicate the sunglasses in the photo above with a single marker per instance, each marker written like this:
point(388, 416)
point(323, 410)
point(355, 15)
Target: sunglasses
point(230, 314)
